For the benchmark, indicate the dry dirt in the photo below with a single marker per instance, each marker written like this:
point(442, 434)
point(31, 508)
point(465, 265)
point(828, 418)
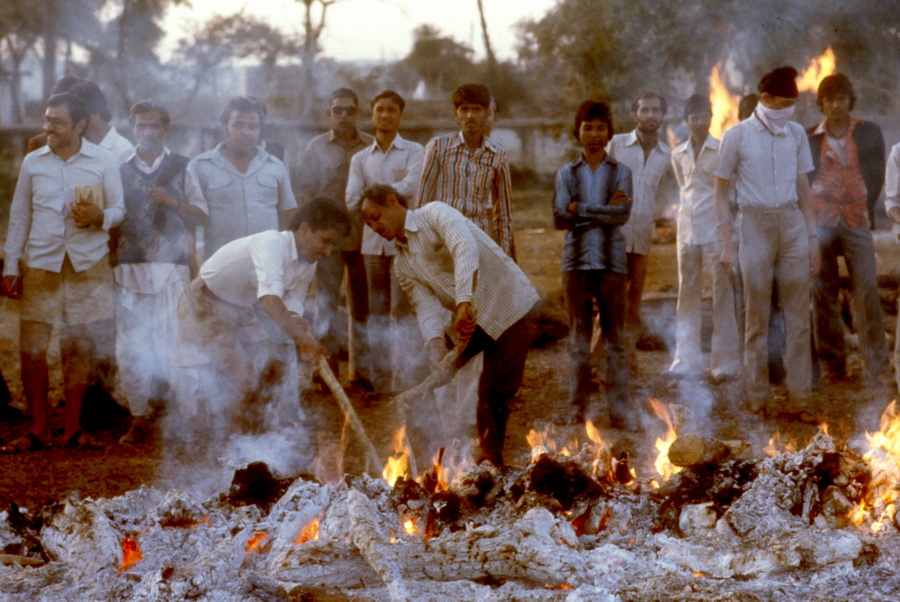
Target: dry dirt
point(33, 479)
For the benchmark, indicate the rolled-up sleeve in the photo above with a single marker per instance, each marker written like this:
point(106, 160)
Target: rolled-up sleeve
point(269, 259)
point(114, 211)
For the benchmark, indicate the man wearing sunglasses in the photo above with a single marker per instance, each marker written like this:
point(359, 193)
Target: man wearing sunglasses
point(324, 171)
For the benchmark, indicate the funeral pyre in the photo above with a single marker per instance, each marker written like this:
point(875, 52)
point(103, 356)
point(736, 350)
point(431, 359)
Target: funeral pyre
point(578, 523)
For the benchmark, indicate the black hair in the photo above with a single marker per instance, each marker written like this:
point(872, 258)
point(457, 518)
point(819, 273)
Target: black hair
point(476, 94)
point(147, 106)
point(780, 82)
point(746, 106)
point(663, 103)
point(94, 98)
point(390, 95)
point(697, 103)
point(379, 193)
point(65, 84)
point(244, 104)
point(321, 213)
point(78, 109)
point(590, 110)
point(834, 85)
point(343, 93)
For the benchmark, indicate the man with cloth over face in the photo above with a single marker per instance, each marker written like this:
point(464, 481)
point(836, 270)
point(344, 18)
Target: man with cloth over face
point(445, 262)
point(767, 157)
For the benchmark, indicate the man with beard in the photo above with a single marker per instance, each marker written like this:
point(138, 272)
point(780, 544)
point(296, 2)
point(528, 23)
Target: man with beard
point(242, 188)
point(154, 249)
point(767, 157)
point(398, 162)
point(325, 169)
point(648, 159)
point(68, 196)
point(693, 163)
point(848, 155)
point(469, 171)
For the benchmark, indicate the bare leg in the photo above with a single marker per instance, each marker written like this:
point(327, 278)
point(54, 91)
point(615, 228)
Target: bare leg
point(34, 339)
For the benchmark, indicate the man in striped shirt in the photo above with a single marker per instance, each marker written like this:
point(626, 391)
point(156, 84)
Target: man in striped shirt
point(441, 256)
point(468, 170)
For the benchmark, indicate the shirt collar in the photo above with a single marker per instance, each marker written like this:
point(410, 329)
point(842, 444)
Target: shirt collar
point(486, 142)
point(631, 139)
point(411, 225)
point(134, 158)
point(821, 129)
point(398, 142)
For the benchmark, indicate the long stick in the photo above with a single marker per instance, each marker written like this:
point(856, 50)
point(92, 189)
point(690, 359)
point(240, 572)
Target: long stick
point(349, 413)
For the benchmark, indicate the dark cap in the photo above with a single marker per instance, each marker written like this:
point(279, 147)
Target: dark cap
point(780, 82)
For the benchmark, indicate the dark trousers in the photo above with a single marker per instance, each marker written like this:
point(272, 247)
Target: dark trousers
point(608, 289)
point(504, 366)
point(329, 276)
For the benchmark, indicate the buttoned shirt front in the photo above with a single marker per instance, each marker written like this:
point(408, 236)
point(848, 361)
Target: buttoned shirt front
point(238, 204)
point(400, 167)
point(325, 170)
point(839, 188)
point(40, 220)
point(594, 238)
point(475, 183)
point(696, 181)
point(646, 178)
point(764, 167)
point(247, 269)
point(117, 144)
point(437, 267)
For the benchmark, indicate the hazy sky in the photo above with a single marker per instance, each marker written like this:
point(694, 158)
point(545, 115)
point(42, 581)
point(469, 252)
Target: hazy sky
point(379, 29)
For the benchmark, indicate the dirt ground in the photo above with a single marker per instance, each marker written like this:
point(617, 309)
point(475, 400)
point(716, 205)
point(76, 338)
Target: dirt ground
point(849, 408)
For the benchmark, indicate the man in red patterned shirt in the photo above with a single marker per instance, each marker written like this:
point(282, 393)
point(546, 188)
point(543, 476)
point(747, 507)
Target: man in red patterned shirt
point(468, 171)
point(848, 154)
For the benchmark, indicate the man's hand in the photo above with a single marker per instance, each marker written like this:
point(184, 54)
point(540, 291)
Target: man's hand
point(815, 257)
point(618, 198)
point(11, 286)
point(464, 323)
point(436, 352)
point(728, 257)
point(86, 214)
point(307, 345)
point(161, 197)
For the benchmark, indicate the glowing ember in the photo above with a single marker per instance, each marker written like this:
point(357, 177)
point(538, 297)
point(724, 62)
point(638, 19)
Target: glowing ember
point(818, 69)
point(883, 457)
point(255, 543)
point(397, 465)
point(664, 468)
point(724, 105)
point(776, 446)
point(409, 525)
point(309, 532)
point(131, 553)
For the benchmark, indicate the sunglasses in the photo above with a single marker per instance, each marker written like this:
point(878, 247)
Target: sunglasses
point(350, 111)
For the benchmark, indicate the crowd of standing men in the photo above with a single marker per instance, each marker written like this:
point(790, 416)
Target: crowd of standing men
point(101, 243)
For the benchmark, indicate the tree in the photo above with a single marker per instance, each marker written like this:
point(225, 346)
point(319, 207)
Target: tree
point(313, 26)
point(440, 61)
point(20, 28)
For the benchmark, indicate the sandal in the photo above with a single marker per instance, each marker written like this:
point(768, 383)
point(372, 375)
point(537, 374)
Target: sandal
point(82, 440)
point(26, 443)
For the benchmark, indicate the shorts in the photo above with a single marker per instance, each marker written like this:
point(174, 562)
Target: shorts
point(68, 297)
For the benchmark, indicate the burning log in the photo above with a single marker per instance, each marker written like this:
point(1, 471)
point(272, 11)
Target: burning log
point(693, 450)
point(8, 559)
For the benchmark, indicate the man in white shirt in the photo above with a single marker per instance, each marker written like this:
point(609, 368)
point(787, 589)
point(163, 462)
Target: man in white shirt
point(238, 315)
point(154, 252)
point(68, 196)
point(99, 130)
point(397, 162)
point(892, 207)
point(693, 163)
point(445, 262)
point(648, 159)
point(767, 157)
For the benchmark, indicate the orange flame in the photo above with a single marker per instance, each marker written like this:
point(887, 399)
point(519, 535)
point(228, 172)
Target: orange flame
point(397, 465)
point(776, 447)
point(409, 525)
point(818, 69)
point(883, 457)
point(255, 543)
point(724, 105)
point(309, 532)
point(664, 468)
point(131, 553)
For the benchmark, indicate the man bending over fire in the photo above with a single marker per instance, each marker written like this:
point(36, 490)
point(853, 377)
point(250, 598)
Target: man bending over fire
point(240, 319)
point(441, 256)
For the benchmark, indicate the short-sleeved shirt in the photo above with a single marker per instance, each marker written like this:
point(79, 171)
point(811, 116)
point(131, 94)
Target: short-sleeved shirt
point(117, 144)
point(238, 204)
point(764, 167)
point(324, 172)
point(646, 177)
point(400, 167)
point(696, 179)
point(249, 268)
point(40, 221)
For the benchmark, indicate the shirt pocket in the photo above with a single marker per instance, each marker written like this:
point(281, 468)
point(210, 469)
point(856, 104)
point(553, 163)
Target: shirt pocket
point(220, 191)
point(265, 191)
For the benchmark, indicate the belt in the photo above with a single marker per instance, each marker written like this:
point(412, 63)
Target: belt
point(759, 209)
